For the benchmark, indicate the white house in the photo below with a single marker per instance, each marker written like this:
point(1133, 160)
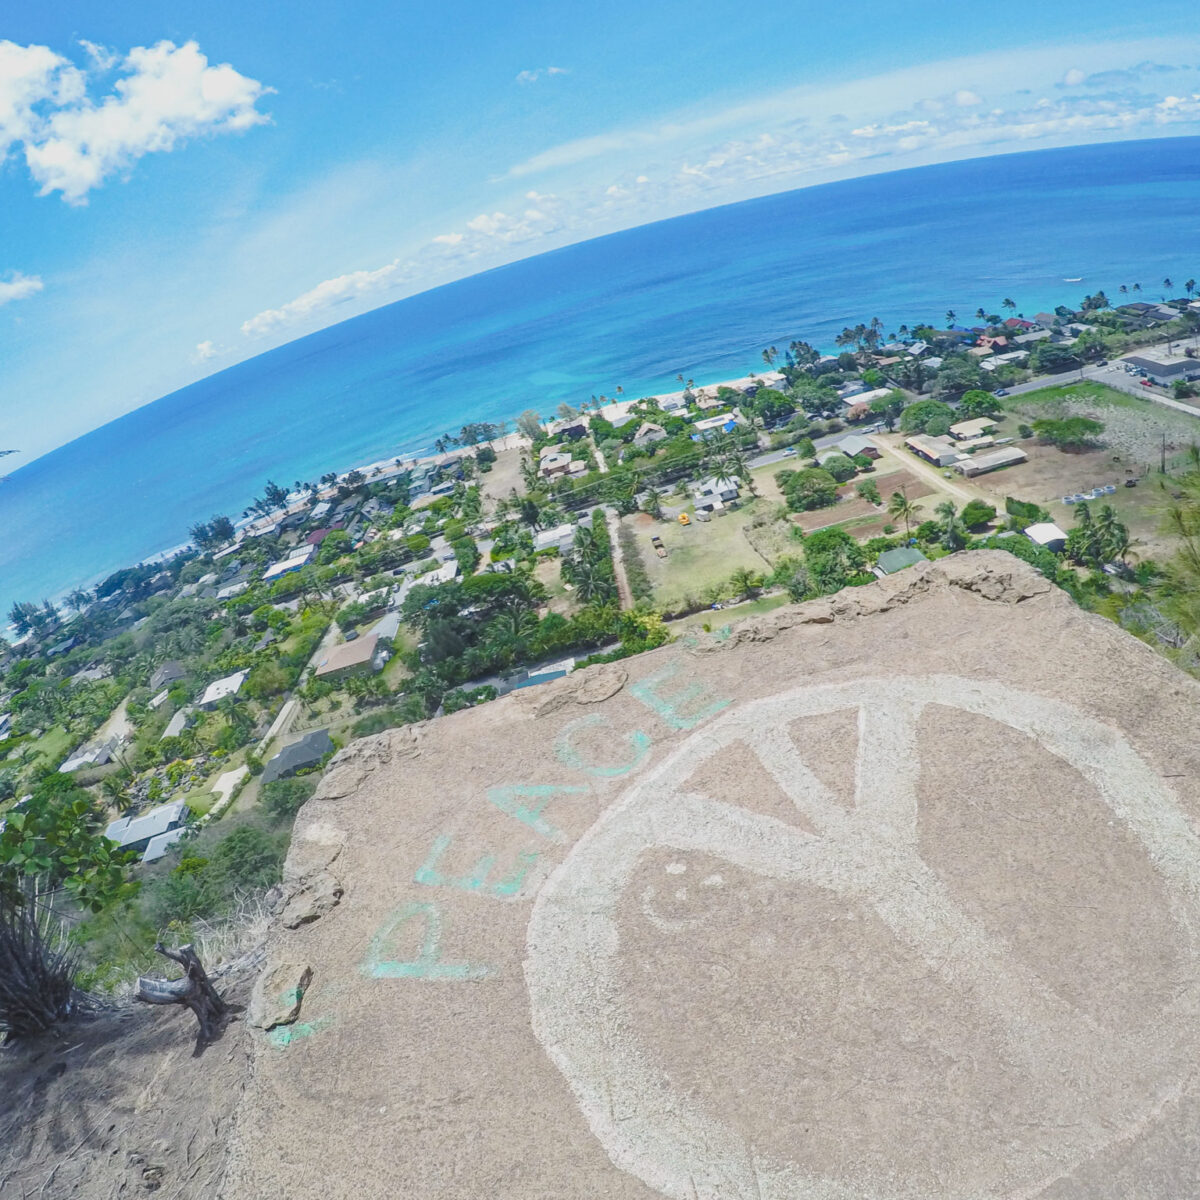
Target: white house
point(220, 688)
point(1047, 534)
point(561, 538)
point(301, 558)
point(714, 493)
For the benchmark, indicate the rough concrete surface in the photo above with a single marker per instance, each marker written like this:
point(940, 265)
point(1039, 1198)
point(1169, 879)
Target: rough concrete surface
point(894, 895)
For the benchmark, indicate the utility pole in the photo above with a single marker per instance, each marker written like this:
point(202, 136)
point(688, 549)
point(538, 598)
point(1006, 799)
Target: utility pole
point(1163, 459)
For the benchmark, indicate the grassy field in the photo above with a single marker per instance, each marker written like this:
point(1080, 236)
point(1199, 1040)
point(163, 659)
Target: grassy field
point(1134, 430)
point(699, 556)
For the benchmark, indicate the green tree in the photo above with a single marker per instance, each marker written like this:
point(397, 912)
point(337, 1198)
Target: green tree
point(529, 425)
point(976, 513)
point(903, 509)
point(977, 403)
point(812, 487)
point(832, 558)
point(954, 535)
point(917, 416)
point(1069, 433)
point(335, 545)
point(868, 490)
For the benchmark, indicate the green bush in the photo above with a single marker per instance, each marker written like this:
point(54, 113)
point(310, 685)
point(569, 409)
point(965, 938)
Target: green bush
point(283, 797)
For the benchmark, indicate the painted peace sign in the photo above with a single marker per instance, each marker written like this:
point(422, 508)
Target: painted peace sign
point(868, 853)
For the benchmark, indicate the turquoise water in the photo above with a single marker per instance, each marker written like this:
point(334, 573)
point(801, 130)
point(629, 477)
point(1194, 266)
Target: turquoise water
point(699, 295)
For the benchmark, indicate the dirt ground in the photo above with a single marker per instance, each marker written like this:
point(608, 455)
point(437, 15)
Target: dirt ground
point(505, 475)
point(852, 506)
point(117, 1106)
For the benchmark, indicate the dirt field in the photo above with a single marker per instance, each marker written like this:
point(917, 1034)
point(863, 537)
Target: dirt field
point(498, 483)
point(852, 506)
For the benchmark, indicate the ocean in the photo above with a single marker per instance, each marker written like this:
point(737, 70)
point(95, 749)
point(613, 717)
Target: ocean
point(699, 295)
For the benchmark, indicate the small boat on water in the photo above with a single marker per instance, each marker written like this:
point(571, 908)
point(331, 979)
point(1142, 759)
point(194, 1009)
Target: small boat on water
point(1079, 280)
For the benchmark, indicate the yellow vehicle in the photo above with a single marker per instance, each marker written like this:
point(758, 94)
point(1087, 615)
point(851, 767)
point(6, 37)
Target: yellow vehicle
point(684, 519)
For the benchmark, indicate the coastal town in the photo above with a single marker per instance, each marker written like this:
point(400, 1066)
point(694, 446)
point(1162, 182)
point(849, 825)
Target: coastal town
point(193, 702)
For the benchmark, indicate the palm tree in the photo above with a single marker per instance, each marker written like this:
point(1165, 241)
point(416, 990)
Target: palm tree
point(953, 535)
point(1124, 290)
point(980, 314)
point(1137, 287)
point(903, 509)
point(744, 583)
point(1167, 285)
point(1189, 287)
point(951, 317)
point(1009, 305)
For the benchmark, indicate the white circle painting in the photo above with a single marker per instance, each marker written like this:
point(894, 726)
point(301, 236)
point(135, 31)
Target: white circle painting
point(868, 854)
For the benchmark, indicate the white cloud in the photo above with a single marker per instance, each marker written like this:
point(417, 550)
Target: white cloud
point(325, 295)
point(103, 58)
point(19, 287)
point(203, 352)
point(1074, 77)
point(72, 143)
point(532, 76)
point(448, 239)
point(965, 98)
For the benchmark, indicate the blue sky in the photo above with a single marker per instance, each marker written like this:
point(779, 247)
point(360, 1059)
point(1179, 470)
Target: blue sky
point(182, 190)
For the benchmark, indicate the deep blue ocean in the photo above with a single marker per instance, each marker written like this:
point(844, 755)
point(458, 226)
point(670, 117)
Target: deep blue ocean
point(699, 295)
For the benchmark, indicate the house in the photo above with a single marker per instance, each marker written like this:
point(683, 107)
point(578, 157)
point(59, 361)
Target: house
point(966, 430)
point(980, 351)
point(554, 463)
point(993, 343)
point(305, 753)
point(443, 574)
point(232, 589)
point(993, 460)
point(1162, 368)
point(1034, 335)
point(857, 444)
point(648, 432)
point(170, 672)
point(1013, 357)
point(319, 510)
point(359, 657)
point(136, 833)
point(726, 424)
point(891, 561)
point(1046, 320)
point(161, 843)
point(672, 403)
point(98, 755)
point(301, 557)
point(1047, 534)
point(712, 494)
point(176, 725)
point(220, 688)
point(5, 724)
point(387, 628)
point(866, 398)
point(940, 451)
point(1019, 325)
point(158, 701)
point(561, 538)
point(576, 431)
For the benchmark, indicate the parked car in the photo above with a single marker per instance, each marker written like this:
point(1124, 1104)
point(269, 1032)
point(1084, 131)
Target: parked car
point(1147, 383)
point(1002, 391)
point(790, 452)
